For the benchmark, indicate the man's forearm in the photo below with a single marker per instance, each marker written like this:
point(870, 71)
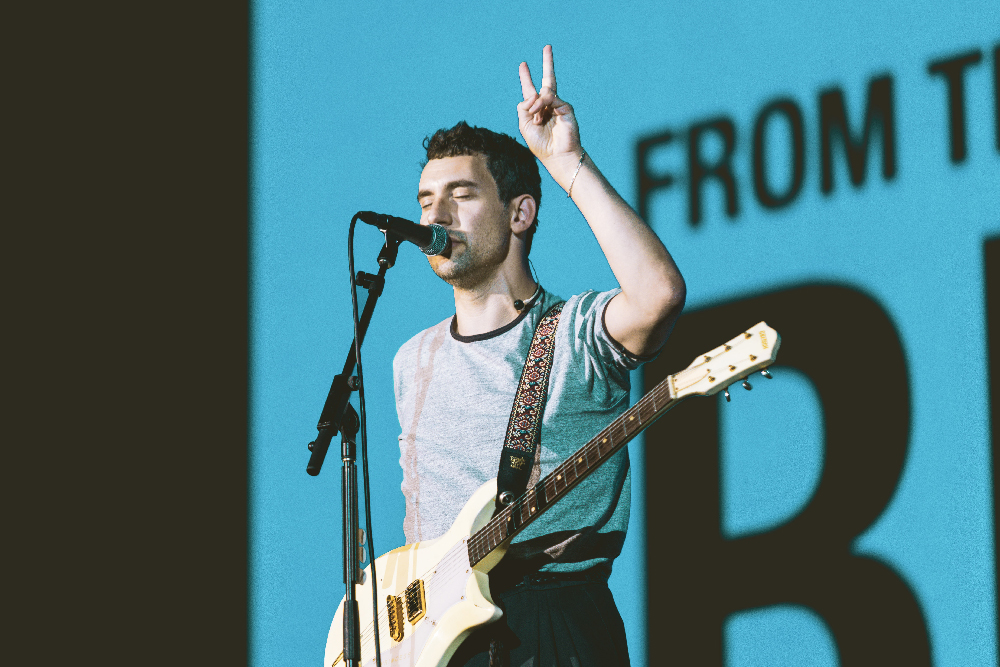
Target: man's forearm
point(653, 290)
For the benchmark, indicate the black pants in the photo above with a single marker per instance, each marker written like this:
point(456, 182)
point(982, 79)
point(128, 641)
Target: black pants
point(551, 622)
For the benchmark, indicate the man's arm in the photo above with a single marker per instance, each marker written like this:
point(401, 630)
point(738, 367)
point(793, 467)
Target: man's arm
point(653, 291)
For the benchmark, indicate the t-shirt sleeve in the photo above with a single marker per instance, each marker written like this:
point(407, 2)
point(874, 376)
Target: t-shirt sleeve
point(589, 324)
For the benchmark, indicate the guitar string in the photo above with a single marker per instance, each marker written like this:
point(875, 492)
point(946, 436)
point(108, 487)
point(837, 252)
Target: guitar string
point(480, 538)
point(494, 527)
point(433, 582)
point(430, 580)
point(486, 539)
point(367, 635)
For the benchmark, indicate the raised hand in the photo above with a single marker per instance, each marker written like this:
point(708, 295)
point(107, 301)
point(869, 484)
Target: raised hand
point(547, 122)
point(652, 296)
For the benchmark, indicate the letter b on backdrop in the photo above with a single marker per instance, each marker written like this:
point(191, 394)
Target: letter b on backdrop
point(845, 344)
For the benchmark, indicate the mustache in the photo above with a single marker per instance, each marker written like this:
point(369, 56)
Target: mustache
point(453, 238)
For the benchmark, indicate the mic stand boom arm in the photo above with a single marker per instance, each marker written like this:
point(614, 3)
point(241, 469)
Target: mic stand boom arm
point(344, 384)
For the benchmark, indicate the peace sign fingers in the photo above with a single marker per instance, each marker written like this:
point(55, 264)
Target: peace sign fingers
point(547, 123)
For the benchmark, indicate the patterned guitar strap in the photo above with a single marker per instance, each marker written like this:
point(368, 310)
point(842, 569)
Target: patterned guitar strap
point(525, 426)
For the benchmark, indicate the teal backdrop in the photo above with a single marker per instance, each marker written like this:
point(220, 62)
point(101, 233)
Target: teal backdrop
point(342, 97)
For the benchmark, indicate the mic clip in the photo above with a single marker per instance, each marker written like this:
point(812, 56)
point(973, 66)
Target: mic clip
point(371, 282)
point(387, 256)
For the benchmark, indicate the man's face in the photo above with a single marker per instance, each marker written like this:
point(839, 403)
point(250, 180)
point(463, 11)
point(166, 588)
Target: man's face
point(460, 194)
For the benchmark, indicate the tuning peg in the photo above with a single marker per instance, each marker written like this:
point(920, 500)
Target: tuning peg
point(766, 374)
point(747, 385)
point(727, 395)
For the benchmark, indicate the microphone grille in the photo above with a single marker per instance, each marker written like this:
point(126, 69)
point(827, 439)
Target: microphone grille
point(439, 241)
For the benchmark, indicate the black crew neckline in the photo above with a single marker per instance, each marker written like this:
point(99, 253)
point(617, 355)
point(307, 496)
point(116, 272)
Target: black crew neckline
point(496, 332)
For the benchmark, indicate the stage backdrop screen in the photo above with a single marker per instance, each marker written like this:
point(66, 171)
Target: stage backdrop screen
point(830, 168)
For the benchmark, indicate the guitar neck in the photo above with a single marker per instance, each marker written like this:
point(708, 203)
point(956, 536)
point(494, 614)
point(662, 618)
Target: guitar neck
point(512, 519)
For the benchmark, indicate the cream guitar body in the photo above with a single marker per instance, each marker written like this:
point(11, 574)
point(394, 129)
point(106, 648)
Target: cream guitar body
point(455, 595)
point(432, 595)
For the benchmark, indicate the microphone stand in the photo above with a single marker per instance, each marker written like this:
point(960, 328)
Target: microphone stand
point(338, 415)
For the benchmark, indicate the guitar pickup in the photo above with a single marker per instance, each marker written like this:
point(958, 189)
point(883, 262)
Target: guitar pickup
point(394, 606)
point(416, 602)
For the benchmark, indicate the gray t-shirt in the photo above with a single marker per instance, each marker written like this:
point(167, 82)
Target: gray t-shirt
point(454, 395)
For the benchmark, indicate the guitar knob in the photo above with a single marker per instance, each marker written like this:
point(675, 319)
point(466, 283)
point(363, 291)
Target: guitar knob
point(727, 395)
point(747, 385)
point(766, 374)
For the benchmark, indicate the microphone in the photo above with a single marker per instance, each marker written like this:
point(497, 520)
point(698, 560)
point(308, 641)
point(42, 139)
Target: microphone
point(431, 239)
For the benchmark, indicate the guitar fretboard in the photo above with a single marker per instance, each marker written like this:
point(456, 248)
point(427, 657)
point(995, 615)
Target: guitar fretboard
point(525, 509)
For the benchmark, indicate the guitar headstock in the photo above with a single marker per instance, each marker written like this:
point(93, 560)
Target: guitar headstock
point(753, 350)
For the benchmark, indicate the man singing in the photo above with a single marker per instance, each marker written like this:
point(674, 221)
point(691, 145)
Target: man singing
point(455, 382)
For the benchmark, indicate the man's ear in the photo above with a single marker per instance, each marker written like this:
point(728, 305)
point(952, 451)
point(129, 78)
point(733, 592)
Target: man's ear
point(522, 213)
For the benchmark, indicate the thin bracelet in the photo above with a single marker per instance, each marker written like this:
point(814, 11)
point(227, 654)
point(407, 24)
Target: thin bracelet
point(569, 191)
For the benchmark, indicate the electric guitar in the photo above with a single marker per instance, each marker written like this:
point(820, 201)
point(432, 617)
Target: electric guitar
point(437, 592)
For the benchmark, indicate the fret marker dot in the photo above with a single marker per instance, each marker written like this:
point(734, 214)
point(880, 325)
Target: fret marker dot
point(579, 460)
point(631, 417)
point(604, 441)
point(558, 476)
point(532, 509)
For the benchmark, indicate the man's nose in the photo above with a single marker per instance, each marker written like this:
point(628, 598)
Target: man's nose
point(439, 213)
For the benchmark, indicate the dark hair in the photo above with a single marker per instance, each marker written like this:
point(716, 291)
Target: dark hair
point(511, 164)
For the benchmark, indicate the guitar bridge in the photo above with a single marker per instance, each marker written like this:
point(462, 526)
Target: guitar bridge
point(394, 606)
point(416, 602)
